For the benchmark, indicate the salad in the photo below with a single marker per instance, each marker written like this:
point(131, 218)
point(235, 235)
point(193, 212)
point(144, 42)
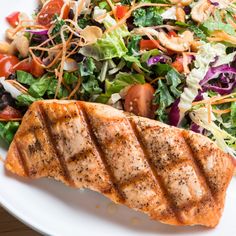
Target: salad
point(169, 60)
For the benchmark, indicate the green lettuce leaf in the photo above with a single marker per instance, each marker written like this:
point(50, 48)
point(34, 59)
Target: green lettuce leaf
point(25, 78)
point(25, 100)
point(90, 86)
point(62, 93)
point(123, 80)
point(111, 45)
point(135, 60)
point(70, 78)
point(39, 88)
point(133, 44)
point(8, 130)
point(233, 114)
point(146, 55)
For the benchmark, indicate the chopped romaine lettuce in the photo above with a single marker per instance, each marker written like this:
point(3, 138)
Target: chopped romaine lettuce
point(25, 78)
point(223, 139)
point(26, 100)
point(7, 130)
point(121, 81)
point(233, 114)
point(135, 60)
point(39, 88)
point(111, 45)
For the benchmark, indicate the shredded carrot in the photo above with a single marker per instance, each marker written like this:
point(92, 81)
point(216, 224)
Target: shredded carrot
point(221, 111)
point(224, 101)
point(64, 45)
point(158, 78)
point(75, 89)
point(11, 119)
point(213, 99)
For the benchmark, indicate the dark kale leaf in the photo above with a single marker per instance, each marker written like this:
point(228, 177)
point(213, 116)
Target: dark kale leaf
point(147, 17)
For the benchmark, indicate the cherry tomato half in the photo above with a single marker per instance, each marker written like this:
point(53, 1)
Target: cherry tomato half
point(7, 63)
point(47, 13)
point(139, 100)
point(24, 65)
point(31, 67)
point(9, 113)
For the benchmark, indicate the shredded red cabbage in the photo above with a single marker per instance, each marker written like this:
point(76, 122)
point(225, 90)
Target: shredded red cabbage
point(226, 82)
point(196, 128)
point(159, 58)
point(214, 3)
point(174, 115)
point(220, 90)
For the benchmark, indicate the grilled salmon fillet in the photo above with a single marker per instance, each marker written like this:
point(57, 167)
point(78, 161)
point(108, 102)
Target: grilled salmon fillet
point(175, 176)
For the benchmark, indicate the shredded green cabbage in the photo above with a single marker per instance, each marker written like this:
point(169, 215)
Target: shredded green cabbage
point(207, 53)
point(223, 139)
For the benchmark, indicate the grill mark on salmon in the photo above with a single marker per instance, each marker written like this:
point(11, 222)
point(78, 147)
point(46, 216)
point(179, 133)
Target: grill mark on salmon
point(198, 168)
point(142, 163)
point(46, 123)
point(158, 178)
point(101, 153)
point(21, 158)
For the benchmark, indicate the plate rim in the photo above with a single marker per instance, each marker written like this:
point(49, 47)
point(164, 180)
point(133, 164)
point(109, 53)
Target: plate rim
point(21, 217)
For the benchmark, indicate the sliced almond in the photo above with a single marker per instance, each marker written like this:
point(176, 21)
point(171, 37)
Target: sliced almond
point(4, 47)
point(91, 34)
point(22, 45)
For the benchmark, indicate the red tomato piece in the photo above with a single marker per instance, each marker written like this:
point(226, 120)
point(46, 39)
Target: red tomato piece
point(36, 69)
point(178, 64)
point(121, 10)
point(9, 113)
point(148, 44)
point(13, 18)
point(47, 13)
point(139, 100)
point(7, 63)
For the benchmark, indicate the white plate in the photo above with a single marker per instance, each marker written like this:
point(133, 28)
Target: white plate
point(54, 209)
